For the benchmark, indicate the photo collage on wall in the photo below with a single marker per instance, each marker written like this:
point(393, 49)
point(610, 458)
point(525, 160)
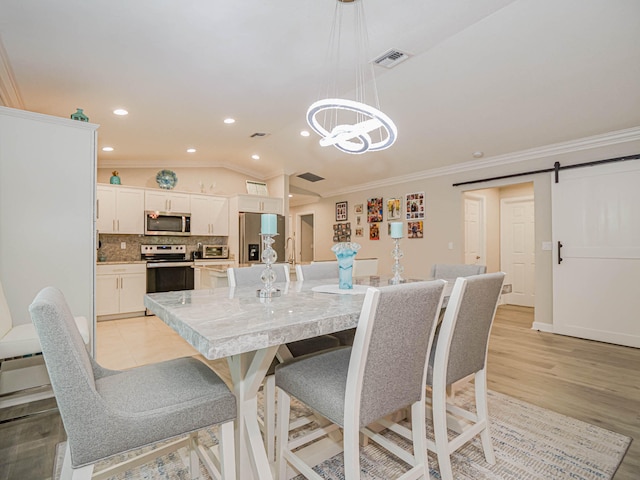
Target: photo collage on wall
point(414, 210)
point(342, 231)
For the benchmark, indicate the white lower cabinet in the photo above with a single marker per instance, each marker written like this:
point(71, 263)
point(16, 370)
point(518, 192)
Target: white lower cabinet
point(120, 289)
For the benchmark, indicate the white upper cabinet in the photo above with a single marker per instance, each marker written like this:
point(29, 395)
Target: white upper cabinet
point(162, 201)
point(259, 204)
point(209, 215)
point(120, 209)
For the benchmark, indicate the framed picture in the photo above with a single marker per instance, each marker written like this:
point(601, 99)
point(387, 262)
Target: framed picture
point(358, 209)
point(341, 211)
point(374, 210)
point(414, 229)
point(342, 232)
point(374, 231)
point(359, 232)
point(394, 206)
point(415, 205)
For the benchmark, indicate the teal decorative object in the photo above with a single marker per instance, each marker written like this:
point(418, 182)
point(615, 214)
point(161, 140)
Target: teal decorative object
point(115, 179)
point(166, 179)
point(79, 116)
point(345, 253)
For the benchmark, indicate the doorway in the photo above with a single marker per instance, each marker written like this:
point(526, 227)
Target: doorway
point(499, 228)
point(306, 237)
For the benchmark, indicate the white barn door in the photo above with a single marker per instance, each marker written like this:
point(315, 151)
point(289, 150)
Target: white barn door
point(596, 234)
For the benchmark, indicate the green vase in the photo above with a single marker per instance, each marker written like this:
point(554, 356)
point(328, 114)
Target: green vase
point(115, 179)
point(79, 116)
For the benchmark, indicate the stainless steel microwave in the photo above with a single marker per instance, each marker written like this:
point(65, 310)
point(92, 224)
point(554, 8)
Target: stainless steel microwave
point(214, 251)
point(167, 223)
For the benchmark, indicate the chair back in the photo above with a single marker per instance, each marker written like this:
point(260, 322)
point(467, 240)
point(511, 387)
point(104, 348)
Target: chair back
point(463, 338)
point(388, 364)
point(441, 270)
point(317, 271)
point(365, 267)
point(5, 314)
point(70, 367)
point(250, 276)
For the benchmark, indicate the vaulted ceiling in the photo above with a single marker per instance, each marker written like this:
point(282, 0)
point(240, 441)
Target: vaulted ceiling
point(495, 76)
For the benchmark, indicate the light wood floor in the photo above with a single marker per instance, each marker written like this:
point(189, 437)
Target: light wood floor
point(594, 382)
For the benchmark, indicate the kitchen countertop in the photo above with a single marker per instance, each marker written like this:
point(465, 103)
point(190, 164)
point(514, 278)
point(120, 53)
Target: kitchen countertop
point(122, 262)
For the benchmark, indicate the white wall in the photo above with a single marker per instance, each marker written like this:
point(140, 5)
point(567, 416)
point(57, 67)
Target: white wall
point(444, 220)
point(47, 199)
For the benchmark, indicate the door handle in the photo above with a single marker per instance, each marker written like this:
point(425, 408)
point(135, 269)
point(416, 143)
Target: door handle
point(559, 255)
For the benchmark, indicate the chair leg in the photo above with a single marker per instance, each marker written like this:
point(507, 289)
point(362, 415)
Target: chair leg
point(70, 473)
point(441, 437)
point(419, 433)
point(226, 449)
point(270, 416)
point(282, 435)
point(351, 439)
point(483, 415)
point(194, 460)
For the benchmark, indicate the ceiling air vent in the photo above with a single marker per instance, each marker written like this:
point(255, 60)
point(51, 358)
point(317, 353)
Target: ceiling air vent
point(258, 135)
point(391, 58)
point(310, 177)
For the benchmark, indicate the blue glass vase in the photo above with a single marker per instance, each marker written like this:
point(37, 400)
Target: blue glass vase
point(345, 253)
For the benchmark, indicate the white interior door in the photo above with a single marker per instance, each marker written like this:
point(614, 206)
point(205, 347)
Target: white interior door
point(306, 238)
point(474, 230)
point(517, 252)
point(596, 285)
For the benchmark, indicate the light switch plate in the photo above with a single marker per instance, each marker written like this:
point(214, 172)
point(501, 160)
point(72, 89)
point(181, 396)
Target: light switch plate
point(547, 246)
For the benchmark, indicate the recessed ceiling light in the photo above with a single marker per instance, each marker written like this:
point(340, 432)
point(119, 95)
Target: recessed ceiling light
point(229, 121)
point(191, 150)
point(107, 149)
point(305, 133)
point(478, 154)
point(120, 111)
point(255, 157)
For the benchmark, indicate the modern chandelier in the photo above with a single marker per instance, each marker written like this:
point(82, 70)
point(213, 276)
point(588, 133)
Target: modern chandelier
point(351, 125)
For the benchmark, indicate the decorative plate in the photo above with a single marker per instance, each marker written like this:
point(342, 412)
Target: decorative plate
point(166, 179)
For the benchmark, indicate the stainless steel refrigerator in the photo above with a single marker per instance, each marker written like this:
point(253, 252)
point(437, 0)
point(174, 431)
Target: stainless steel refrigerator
point(251, 242)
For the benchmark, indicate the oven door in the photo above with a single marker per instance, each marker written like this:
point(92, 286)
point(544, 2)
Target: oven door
point(169, 276)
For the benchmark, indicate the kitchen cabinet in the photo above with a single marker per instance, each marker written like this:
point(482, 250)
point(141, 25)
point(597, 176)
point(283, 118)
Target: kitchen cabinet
point(120, 289)
point(162, 201)
point(259, 204)
point(120, 209)
point(209, 215)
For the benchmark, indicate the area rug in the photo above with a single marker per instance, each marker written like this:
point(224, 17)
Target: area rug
point(530, 443)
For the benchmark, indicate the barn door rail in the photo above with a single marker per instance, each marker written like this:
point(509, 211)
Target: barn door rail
point(556, 168)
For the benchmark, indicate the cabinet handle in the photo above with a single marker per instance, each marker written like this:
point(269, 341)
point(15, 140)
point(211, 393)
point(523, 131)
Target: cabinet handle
point(117, 283)
point(118, 224)
point(113, 225)
point(121, 283)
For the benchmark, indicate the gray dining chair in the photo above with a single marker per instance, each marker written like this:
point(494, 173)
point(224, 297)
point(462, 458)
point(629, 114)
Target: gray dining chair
point(460, 349)
point(383, 372)
point(108, 412)
point(325, 271)
point(450, 271)
point(250, 276)
point(317, 271)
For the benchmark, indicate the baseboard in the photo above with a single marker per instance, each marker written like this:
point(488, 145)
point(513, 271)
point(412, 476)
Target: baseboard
point(542, 327)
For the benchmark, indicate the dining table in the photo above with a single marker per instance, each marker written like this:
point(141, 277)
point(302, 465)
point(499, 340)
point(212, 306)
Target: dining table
point(247, 330)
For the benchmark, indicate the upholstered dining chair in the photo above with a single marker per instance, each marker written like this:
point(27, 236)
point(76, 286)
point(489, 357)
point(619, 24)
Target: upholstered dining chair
point(383, 372)
point(26, 380)
point(450, 271)
point(317, 271)
point(250, 276)
point(107, 412)
point(460, 350)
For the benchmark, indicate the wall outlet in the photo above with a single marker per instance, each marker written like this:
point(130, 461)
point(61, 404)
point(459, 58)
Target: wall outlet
point(450, 245)
point(123, 245)
point(547, 246)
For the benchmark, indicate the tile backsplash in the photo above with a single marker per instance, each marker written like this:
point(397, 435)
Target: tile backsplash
point(110, 245)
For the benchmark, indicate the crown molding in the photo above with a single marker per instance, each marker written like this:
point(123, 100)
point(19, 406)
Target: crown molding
point(587, 143)
point(9, 92)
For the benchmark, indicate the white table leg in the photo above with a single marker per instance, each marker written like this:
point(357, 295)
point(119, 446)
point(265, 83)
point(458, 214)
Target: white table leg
point(247, 373)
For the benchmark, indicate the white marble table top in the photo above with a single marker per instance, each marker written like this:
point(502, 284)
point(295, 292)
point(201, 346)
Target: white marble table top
point(229, 321)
